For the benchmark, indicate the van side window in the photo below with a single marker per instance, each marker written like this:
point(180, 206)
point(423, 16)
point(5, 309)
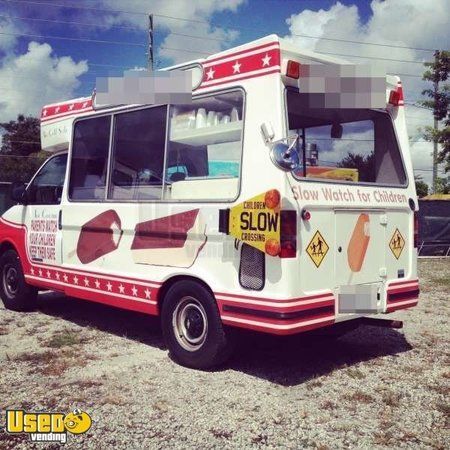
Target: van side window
point(46, 187)
point(349, 145)
point(89, 159)
point(138, 154)
point(205, 148)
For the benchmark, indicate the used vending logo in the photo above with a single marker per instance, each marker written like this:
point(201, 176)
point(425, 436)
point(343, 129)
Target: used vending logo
point(47, 427)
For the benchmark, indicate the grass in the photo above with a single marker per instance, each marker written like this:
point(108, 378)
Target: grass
point(65, 338)
point(355, 373)
point(359, 396)
point(221, 434)
point(53, 362)
point(390, 398)
point(161, 406)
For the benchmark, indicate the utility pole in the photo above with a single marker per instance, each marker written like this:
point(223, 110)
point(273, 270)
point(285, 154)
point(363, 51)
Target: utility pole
point(150, 42)
point(436, 123)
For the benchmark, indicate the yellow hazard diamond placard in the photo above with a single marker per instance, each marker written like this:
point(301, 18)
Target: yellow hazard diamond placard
point(317, 248)
point(397, 243)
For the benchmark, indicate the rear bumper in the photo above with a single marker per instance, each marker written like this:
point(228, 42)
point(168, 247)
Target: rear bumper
point(402, 294)
point(281, 317)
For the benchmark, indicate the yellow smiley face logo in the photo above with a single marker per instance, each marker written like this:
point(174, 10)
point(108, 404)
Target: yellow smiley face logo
point(77, 422)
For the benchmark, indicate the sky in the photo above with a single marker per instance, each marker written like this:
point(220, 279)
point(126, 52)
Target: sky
point(53, 50)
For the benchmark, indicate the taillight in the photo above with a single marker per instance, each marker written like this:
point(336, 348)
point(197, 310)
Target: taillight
point(288, 234)
point(293, 69)
point(416, 229)
point(396, 96)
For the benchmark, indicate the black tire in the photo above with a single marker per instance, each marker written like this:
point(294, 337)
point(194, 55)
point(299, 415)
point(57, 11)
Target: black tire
point(192, 328)
point(15, 293)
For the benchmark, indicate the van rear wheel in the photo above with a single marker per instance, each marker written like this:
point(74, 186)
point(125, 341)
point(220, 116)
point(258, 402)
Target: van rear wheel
point(192, 328)
point(15, 293)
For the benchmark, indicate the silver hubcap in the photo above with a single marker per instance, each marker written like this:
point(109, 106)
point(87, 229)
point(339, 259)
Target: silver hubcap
point(190, 324)
point(10, 280)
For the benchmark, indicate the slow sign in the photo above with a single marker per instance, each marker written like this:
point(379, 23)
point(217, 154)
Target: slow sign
point(256, 222)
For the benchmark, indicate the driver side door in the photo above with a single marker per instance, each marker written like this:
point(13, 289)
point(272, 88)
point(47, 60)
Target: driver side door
point(43, 212)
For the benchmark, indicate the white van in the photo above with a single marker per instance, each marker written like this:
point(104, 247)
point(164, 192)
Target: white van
point(245, 208)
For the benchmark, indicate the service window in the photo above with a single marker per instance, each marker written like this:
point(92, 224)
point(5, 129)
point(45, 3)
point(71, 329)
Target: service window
point(89, 164)
point(350, 145)
point(46, 187)
point(138, 154)
point(204, 149)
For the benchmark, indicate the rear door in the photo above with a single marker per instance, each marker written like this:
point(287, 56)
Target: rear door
point(360, 251)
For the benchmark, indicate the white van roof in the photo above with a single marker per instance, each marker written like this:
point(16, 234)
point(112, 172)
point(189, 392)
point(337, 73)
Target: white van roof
point(254, 59)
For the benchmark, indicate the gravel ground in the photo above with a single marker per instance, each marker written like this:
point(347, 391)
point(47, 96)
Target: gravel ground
point(373, 388)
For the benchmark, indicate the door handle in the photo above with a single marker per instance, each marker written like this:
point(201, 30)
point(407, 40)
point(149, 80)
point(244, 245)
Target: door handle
point(60, 220)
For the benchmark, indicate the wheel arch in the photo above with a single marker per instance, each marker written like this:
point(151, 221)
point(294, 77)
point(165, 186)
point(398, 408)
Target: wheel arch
point(167, 284)
point(7, 245)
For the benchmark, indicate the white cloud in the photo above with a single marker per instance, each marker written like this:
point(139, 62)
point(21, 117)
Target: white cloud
point(197, 14)
point(8, 37)
point(410, 23)
point(30, 80)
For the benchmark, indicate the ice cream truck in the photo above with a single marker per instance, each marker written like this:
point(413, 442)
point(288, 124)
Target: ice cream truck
point(247, 207)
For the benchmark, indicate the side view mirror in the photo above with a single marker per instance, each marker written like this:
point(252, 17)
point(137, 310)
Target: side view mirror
point(285, 156)
point(18, 193)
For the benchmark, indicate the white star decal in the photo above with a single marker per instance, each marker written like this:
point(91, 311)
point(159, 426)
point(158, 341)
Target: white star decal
point(66, 278)
point(237, 67)
point(71, 107)
point(40, 272)
point(58, 276)
point(86, 281)
point(134, 290)
point(44, 113)
point(109, 286)
point(210, 73)
point(97, 284)
point(84, 105)
point(57, 110)
point(48, 273)
point(121, 288)
point(75, 279)
point(148, 293)
point(266, 60)
point(32, 271)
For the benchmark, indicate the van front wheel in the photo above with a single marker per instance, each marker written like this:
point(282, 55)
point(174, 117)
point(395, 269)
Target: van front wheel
point(192, 328)
point(15, 293)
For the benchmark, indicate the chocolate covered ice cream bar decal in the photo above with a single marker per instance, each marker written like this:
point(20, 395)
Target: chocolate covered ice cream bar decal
point(100, 236)
point(174, 240)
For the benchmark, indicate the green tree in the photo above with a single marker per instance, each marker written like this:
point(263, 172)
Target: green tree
point(443, 185)
point(22, 136)
point(421, 186)
point(439, 101)
point(364, 163)
point(20, 151)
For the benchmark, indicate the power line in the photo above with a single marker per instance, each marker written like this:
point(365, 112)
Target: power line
point(300, 35)
point(209, 24)
point(88, 8)
point(96, 41)
point(371, 57)
point(6, 16)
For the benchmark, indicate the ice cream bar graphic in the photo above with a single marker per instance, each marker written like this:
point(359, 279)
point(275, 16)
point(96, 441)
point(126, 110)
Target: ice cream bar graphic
point(174, 240)
point(100, 236)
point(357, 247)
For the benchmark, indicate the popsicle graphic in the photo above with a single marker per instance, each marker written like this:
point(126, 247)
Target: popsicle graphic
point(357, 247)
point(174, 240)
point(100, 236)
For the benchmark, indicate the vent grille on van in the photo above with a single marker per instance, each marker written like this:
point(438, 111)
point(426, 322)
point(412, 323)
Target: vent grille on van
point(252, 269)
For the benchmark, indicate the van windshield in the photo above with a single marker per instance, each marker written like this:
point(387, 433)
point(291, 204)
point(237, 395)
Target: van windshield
point(347, 145)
